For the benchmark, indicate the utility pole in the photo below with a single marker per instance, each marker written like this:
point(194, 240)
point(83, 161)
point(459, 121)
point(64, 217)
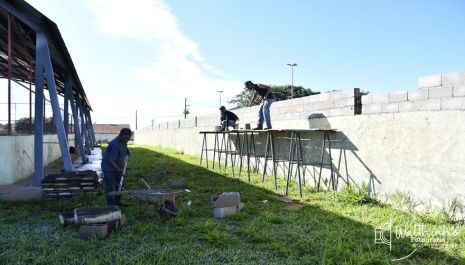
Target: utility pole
point(185, 108)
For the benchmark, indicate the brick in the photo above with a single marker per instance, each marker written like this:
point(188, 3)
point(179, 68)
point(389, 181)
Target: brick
point(371, 108)
point(367, 99)
point(429, 104)
point(408, 106)
point(429, 81)
point(390, 108)
point(381, 98)
point(453, 103)
point(440, 92)
point(459, 90)
point(324, 112)
point(398, 96)
point(453, 78)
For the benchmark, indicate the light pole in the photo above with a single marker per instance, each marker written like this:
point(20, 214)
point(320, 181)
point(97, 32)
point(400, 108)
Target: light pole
point(292, 78)
point(220, 91)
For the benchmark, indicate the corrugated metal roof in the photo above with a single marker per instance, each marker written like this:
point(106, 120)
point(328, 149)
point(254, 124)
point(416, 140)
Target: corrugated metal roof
point(26, 21)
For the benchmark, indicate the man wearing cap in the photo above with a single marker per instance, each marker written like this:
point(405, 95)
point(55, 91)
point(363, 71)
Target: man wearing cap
point(228, 119)
point(113, 163)
point(264, 92)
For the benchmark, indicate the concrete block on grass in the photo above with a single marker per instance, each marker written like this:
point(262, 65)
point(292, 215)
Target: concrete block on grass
point(100, 230)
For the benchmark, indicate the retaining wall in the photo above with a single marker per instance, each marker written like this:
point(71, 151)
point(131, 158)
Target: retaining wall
point(17, 156)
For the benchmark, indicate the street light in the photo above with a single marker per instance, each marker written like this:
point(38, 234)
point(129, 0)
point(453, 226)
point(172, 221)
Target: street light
point(220, 91)
point(292, 80)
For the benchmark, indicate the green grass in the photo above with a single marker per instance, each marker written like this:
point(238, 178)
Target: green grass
point(330, 229)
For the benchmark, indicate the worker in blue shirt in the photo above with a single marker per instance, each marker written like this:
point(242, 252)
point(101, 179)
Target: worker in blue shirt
point(113, 163)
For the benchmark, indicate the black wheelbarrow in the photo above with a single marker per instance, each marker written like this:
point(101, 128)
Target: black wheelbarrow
point(164, 200)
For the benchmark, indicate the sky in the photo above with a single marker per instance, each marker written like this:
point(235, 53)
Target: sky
point(150, 55)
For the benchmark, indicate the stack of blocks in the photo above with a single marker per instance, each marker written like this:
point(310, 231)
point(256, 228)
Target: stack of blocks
point(226, 204)
point(437, 92)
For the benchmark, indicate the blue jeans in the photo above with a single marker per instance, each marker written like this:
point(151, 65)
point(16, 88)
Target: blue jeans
point(112, 179)
point(264, 113)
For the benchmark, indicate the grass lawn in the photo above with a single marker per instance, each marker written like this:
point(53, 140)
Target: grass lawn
point(330, 229)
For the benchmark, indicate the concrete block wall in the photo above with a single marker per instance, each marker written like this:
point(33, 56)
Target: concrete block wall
point(437, 92)
point(330, 104)
point(408, 141)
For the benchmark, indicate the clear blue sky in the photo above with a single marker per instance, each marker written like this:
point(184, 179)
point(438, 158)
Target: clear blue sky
point(151, 54)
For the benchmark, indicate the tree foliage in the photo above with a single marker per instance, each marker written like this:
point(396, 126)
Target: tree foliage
point(22, 126)
point(280, 93)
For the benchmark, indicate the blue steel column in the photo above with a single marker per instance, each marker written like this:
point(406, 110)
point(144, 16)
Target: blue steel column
point(38, 117)
point(91, 129)
point(77, 131)
point(65, 111)
point(83, 126)
point(46, 62)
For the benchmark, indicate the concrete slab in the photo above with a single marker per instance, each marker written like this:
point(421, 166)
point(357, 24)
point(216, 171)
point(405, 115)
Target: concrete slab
point(25, 189)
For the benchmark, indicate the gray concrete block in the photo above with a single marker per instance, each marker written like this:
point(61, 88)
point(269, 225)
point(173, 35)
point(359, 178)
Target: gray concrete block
point(323, 96)
point(453, 103)
point(335, 112)
point(344, 102)
point(459, 90)
point(341, 94)
point(423, 94)
point(414, 95)
point(429, 81)
point(429, 104)
point(100, 230)
point(380, 98)
point(367, 99)
point(390, 108)
point(226, 199)
point(323, 104)
point(408, 106)
point(440, 92)
point(453, 78)
point(371, 108)
point(398, 96)
point(347, 111)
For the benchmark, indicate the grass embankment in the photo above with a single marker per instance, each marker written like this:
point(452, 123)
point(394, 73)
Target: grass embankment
point(330, 229)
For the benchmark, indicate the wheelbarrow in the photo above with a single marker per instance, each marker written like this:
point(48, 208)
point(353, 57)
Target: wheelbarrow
point(164, 200)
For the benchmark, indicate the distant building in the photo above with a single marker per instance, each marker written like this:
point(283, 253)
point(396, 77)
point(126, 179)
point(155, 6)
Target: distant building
point(106, 132)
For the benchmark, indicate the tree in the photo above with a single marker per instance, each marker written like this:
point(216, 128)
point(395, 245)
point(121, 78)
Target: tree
point(280, 93)
point(22, 126)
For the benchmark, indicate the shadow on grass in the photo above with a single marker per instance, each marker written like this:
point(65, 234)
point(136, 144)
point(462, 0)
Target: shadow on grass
point(323, 232)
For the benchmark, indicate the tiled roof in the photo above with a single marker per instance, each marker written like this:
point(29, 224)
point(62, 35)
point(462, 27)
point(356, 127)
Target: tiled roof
point(109, 128)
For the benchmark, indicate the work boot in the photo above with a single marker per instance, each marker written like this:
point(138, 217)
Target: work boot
point(258, 128)
point(268, 128)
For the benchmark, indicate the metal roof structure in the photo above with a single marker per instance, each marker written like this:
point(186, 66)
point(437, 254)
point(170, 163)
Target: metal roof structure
point(26, 21)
